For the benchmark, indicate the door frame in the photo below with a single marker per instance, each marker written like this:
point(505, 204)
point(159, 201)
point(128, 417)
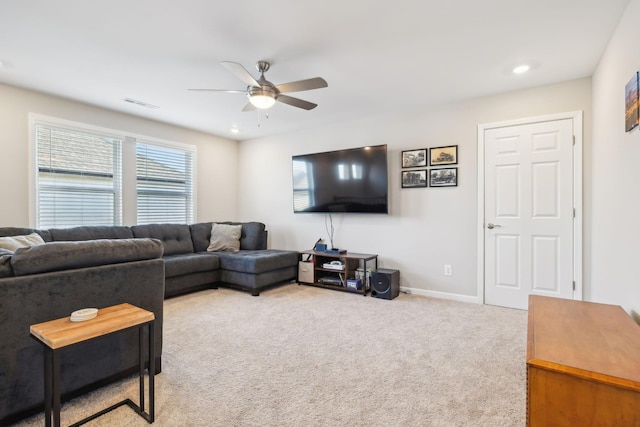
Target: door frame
point(576, 117)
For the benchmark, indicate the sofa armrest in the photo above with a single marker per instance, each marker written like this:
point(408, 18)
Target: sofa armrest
point(35, 298)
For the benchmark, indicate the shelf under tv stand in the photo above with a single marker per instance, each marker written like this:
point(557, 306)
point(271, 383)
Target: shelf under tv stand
point(351, 261)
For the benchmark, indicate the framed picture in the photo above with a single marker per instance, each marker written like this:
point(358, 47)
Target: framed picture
point(445, 177)
point(631, 114)
point(414, 158)
point(444, 155)
point(414, 178)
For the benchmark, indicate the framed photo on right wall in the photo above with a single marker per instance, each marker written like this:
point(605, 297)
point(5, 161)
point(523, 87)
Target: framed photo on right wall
point(632, 104)
point(445, 177)
point(441, 156)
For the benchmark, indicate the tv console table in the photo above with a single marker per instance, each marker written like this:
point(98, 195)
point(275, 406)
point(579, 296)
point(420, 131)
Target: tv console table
point(583, 364)
point(322, 277)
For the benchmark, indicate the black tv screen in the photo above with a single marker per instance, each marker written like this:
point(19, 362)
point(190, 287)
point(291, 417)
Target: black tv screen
point(344, 181)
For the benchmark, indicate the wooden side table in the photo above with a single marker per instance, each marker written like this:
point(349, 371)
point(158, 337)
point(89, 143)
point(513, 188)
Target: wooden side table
point(60, 333)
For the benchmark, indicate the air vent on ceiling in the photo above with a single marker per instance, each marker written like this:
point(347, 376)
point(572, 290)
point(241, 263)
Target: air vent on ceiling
point(140, 103)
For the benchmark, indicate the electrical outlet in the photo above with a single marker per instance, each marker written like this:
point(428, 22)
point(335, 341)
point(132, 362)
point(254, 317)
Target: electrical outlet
point(448, 270)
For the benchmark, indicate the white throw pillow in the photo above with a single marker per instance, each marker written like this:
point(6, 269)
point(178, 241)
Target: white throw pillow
point(12, 243)
point(225, 237)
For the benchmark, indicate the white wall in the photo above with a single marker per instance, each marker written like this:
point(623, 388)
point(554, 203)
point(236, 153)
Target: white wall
point(216, 167)
point(427, 228)
point(615, 204)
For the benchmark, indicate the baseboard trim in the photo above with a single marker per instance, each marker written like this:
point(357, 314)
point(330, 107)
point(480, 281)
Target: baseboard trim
point(441, 295)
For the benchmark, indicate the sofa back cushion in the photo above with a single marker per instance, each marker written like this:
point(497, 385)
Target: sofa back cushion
point(57, 256)
point(90, 233)
point(252, 237)
point(176, 238)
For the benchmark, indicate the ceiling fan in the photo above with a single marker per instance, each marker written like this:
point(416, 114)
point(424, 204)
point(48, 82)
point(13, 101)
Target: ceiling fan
point(263, 94)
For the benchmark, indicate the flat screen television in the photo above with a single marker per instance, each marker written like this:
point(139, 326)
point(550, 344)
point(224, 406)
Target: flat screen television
point(345, 181)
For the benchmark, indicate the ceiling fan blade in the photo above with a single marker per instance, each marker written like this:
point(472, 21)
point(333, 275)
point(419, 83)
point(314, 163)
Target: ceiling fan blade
point(218, 90)
point(295, 102)
point(300, 85)
point(249, 107)
point(240, 72)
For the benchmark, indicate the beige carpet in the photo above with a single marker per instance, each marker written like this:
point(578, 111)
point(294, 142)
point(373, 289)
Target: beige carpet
point(303, 356)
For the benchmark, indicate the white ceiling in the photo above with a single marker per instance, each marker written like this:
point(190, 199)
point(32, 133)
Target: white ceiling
point(376, 56)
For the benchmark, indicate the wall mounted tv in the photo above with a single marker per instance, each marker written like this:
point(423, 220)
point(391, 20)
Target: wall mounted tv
point(344, 181)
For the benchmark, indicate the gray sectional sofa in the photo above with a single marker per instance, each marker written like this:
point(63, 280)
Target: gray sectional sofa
point(188, 265)
point(101, 266)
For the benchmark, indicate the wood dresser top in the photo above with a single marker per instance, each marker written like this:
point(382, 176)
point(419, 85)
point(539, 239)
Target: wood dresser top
point(591, 340)
point(63, 332)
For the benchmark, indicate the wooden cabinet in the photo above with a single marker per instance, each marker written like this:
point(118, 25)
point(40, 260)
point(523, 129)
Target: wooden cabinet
point(353, 264)
point(583, 364)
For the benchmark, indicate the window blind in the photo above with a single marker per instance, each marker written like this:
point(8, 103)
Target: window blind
point(79, 178)
point(164, 184)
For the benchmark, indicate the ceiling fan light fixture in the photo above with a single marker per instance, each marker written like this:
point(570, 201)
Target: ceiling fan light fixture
point(262, 98)
point(262, 101)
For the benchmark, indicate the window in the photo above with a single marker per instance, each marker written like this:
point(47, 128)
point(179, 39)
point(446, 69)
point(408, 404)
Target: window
point(164, 184)
point(78, 178)
point(89, 176)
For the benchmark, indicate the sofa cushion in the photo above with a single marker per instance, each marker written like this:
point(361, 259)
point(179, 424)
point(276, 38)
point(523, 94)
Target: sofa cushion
point(252, 237)
point(179, 265)
point(56, 256)
point(256, 262)
point(22, 231)
point(11, 243)
point(90, 233)
point(225, 237)
point(176, 238)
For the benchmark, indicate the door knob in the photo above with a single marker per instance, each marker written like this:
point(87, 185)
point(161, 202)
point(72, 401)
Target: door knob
point(492, 226)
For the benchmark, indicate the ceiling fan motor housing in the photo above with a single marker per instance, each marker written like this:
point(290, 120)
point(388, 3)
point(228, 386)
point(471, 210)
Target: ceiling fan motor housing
point(263, 90)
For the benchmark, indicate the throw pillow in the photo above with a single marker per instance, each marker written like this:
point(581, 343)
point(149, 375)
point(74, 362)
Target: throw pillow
point(12, 243)
point(225, 237)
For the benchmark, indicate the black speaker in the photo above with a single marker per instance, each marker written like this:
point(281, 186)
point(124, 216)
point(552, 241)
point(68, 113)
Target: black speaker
point(385, 283)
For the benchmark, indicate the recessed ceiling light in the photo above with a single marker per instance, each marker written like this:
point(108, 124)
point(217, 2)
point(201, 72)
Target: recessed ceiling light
point(521, 69)
point(235, 130)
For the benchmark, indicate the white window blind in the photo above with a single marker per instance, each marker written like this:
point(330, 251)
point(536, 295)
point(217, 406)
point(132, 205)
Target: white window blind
point(78, 178)
point(164, 177)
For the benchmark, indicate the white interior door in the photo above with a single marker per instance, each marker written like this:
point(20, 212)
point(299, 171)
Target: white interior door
point(528, 212)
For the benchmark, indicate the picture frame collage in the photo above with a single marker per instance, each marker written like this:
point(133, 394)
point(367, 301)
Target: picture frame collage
point(416, 174)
